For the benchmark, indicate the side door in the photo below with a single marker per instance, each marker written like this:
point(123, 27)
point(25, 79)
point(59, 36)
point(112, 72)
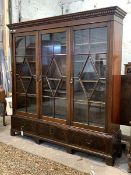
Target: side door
point(25, 74)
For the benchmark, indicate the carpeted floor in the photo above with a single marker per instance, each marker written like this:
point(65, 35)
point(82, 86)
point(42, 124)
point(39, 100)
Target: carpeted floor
point(14, 161)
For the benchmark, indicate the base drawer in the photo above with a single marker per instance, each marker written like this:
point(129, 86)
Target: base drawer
point(27, 125)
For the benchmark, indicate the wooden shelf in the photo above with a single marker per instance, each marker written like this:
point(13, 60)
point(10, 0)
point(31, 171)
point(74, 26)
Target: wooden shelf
point(20, 63)
point(99, 60)
point(83, 44)
point(31, 61)
point(54, 79)
point(61, 45)
point(88, 53)
point(62, 98)
point(19, 48)
point(26, 94)
point(52, 55)
point(62, 77)
point(97, 102)
point(80, 61)
point(30, 47)
point(59, 91)
point(31, 95)
point(26, 77)
point(92, 81)
point(89, 101)
point(89, 81)
point(102, 78)
point(24, 55)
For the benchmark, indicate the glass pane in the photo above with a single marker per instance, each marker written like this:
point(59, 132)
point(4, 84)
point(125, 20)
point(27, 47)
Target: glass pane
point(53, 70)
point(48, 107)
point(20, 45)
point(60, 108)
point(23, 69)
point(98, 40)
point(59, 43)
point(30, 58)
point(54, 43)
point(61, 63)
point(61, 90)
point(46, 61)
point(81, 36)
point(46, 90)
point(97, 114)
point(26, 83)
point(89, 71)
point(30, 45)
point(30, 41)
point(100, 64)
point(47, 45)
point(79, 91)
point(54, 84)
point(98, 34)
point(32, 67)
point(19, 85)
point(20, 59)
point(98, 48)
point(78, 64)
point(47, 49)
point(81, 112)
point(60, 37)
point(20, 105)
point(99, 91)
point(31, 104)
point(89, 88)
point(81, 49)
point(81, 41)
point(32, 87)
point(30, 52)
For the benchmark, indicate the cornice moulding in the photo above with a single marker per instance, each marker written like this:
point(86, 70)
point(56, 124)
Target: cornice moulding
point(115, 10)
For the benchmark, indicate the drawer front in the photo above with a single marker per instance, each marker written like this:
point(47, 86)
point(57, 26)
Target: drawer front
point(19, 124)
point(43, 130)
point(60, 133)
point(87, 140)
point(51, 131)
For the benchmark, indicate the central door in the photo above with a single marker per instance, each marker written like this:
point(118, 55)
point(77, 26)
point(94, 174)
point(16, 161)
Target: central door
point(54, 74)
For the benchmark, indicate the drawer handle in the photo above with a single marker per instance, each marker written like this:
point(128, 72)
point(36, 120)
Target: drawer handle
point(51, 131)
point(71, 81)
point(88, 141)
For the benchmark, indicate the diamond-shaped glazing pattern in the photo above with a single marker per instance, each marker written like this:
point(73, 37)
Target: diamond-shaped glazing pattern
point(54, 74)
point(25, 73)
point(89, 75)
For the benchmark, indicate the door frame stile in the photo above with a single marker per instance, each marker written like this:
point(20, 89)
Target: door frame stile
point(69, 75)
point(38, 75)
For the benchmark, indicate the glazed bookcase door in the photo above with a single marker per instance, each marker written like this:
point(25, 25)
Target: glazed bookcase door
point(89, 75)
point(54, 74)
point(25, 77)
